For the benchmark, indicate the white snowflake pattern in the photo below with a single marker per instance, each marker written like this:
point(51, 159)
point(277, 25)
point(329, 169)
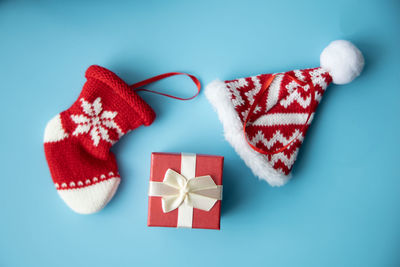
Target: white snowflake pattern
point(317, 78)
point(96, 121)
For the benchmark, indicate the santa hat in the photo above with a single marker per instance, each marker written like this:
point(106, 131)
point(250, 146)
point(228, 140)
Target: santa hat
point(265, 117)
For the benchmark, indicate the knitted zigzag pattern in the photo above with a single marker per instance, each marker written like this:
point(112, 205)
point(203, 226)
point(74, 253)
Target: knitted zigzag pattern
point(281, 113)
point(277, 125)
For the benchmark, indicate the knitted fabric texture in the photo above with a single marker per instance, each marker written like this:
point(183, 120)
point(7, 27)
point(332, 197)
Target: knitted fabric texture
point(281, 116)
point(77, 141)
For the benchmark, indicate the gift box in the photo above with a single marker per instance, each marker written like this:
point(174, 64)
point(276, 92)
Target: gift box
point(185, 190)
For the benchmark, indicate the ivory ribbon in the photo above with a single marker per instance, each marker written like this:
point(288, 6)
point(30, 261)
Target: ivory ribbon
point(184, 191)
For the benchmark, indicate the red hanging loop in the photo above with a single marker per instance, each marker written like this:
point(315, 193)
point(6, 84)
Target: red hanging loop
point(137, 86)
point(264, 88)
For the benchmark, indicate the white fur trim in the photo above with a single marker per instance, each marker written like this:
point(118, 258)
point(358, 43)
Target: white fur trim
point(219, 96)
point(54, 131)
point(342, 60)
point(90, 199)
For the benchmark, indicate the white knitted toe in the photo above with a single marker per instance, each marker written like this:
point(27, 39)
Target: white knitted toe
point(90, 199)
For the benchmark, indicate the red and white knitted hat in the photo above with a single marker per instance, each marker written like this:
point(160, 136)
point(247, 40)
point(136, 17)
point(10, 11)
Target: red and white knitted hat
point(265, 117)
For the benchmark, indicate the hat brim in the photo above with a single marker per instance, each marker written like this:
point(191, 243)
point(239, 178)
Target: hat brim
point(219, 96)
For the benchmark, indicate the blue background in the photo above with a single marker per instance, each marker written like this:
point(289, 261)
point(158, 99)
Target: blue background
point(340, 209)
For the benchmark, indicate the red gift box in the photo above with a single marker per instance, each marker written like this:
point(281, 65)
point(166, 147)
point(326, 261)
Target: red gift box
point(199, 174)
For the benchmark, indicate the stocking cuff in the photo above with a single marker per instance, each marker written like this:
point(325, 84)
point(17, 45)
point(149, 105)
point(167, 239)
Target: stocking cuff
point(122, 89)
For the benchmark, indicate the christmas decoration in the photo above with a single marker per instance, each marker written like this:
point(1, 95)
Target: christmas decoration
point(77, 141)
point(265, 117)
point(185, 190)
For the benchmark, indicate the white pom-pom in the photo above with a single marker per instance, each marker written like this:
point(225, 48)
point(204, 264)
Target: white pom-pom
point(342, 60)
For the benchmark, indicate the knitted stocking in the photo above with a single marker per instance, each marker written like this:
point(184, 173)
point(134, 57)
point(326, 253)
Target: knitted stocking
point(77, 141)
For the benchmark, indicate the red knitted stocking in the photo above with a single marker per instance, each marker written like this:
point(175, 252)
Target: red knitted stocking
point(77, 141)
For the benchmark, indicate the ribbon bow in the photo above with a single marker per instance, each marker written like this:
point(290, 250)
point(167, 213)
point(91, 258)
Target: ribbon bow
point(176, 190)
